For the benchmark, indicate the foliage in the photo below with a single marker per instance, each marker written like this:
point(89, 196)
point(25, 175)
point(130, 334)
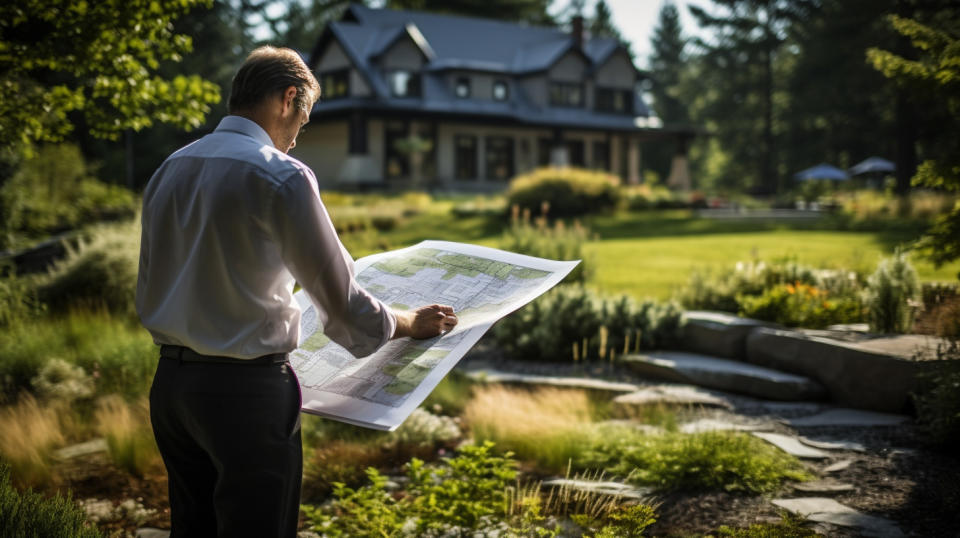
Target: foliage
point(647, 196)
point(451, 395)
point(935, 74)
point(463, 493)
point(60, 380)
point(790, 527)
point(800, 305)
point(18, 299)
point(569, 192)
point(423, 428)
point(117, 353)
point(938, 402)
point(891, 295)
point(30, 433)
point(98, 58)
point(550, 327)
point(100, 273)
point(53, 191)
point(129, 435)
point(559, 242)
point(32, 515)
point(701, 461)
point(528, 11)
point(624, 522)
point(547, 426)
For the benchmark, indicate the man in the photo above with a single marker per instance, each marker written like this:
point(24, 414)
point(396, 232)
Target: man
point(228, 223)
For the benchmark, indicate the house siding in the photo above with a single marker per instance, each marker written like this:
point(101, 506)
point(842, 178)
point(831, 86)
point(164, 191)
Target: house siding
point(335, 58)
point(404, 54)
point(616, 72)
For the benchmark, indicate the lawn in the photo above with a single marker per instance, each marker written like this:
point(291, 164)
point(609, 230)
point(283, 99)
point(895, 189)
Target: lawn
point(650, 254)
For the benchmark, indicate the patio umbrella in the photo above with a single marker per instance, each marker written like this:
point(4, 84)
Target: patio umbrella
point(821, 171)
point(872, 165)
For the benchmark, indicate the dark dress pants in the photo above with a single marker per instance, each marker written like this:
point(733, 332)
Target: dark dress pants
point(230, 439)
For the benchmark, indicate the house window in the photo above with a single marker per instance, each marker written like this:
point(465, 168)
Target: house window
point(404, 83)
point(544, 149)
point(569, 94)
point(616, 101)
point(335, 84)
point(465, 157)
point(409, 153)
point(601, 155)
point(499, 157)
point(395, 164)
point(575, 153)
point(500, 90)
point(462, 87)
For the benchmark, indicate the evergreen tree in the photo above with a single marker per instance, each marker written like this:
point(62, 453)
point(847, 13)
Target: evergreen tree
point(667, 61)
point(528, 11)
point(602, 24)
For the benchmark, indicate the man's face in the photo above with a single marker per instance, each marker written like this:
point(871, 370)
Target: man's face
point(292, 128)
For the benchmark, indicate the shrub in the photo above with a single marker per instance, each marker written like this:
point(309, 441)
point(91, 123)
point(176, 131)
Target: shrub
point(60, 380)
point(129, 435)
point(559, 242)
point(31, 515)
point(100, 273)
point(800, 305)
point(423, 428)
point(54, 191)
point(891, 294)
point(548, 426)
point(18, 299)
point(30, 432)
point(938, 403)
point(549, 327)
point(790, 527)
point(571, 192)
point(646, 196)
point(701, 461)
point(463, 493)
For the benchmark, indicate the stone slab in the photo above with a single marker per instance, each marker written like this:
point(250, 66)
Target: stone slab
point(614, 489)
point(791, 445)
point(673, 395)
point(149, 532)
point(717, 333)
point(495, 376)
point(849, 417)
point(712, 425)
point(823, 486)
point(854, 376)
point(833, 444)
point(788, 409)
point(724, 374)
point(827, 510)
point(837, 467)
point(82, 449)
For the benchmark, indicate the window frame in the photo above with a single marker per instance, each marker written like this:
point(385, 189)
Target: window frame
point(345, 72)
point(510, 157)
point(464, 82)
point(559, 93)
point(414, 83)
point(606, 104)
point(472, 162)
point(506, 90)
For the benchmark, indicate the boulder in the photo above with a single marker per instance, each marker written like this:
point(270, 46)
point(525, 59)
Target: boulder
point(720, 334)
point(854, 377)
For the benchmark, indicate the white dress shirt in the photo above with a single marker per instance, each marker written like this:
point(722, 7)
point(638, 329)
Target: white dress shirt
point(229, 222)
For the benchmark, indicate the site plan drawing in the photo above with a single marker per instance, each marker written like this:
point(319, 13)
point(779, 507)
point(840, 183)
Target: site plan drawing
point(381, 390)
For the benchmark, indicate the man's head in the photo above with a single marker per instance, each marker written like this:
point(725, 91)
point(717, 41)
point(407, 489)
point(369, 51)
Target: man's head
point(275, 88)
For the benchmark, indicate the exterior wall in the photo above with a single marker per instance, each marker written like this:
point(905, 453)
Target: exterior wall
point(570, 68)
point(536, 89)
point(404, 54)
point(335, 58)
point(617, 72)
point(524, 153)
point(481, 84)
point(323, 147)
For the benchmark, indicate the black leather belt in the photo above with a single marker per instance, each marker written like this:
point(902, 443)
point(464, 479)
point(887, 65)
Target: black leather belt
point(185, 354)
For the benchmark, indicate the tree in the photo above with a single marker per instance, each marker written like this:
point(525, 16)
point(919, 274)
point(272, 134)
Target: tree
point(935, 75)
point(529, 11)
point(602, 24)
point(740, 66)
point(667, 61)
point(63, 62)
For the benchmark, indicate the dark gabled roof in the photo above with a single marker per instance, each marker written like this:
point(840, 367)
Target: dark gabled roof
point(457, 42)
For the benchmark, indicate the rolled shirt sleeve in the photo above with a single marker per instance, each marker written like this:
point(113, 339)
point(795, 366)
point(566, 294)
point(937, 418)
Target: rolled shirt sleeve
point(316, 258)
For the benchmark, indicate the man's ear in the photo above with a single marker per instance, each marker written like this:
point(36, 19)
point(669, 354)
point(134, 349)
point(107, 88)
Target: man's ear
point(288, 97)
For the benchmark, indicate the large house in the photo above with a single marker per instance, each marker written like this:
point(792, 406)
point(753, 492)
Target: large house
point(412, 99)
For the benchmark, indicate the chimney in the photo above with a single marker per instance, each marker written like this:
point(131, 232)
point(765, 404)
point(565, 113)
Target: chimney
point(577, 31)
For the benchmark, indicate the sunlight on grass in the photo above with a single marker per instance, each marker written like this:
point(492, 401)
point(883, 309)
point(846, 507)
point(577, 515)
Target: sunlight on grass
point(30, 432)
point(126, 426)
point(547, 425)
point(656, 266)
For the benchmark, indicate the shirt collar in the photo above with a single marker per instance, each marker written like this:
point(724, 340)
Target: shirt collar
point(244, 126)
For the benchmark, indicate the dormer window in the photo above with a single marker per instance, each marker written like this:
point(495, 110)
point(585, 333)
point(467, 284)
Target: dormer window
point(500, 91)
point(404, 83)
point(335, 84)
point(462, 87)
point(566, 94)
point(615, 101)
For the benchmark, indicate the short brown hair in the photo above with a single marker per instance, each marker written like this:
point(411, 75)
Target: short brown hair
point(268, 71)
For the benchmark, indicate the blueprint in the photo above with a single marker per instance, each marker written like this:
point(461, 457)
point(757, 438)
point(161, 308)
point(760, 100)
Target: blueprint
point(379, 391)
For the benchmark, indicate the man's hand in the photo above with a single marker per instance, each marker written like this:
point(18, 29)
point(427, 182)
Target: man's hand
point(425, 322)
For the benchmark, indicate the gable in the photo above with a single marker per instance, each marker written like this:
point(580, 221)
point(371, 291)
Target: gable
point(334, 57)
point(571, 67)
point(402, 54)
point(617, 72)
